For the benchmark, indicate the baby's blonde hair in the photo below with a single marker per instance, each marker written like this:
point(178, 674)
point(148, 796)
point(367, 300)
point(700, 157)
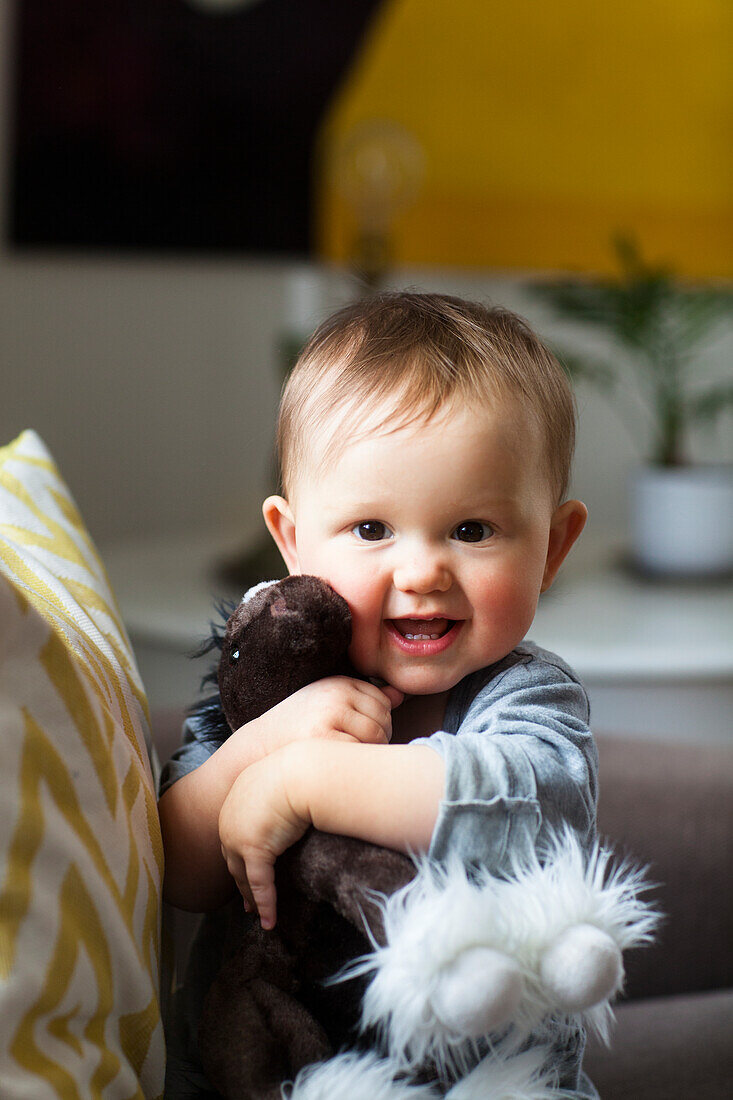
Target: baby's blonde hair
point(418, 352)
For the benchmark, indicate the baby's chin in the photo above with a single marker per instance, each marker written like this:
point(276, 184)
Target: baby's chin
point(420, 683)
point(411, 681)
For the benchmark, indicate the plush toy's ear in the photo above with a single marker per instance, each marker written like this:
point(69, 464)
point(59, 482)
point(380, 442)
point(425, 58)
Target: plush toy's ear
point(281, 525)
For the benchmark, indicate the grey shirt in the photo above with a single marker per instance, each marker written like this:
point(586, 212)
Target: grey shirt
point(519, 759)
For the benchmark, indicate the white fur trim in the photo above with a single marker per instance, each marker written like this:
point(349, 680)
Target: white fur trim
point(442, 913)
point(255, 589)
point(354, 1077)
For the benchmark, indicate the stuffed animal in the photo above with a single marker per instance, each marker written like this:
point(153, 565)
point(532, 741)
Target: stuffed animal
point(415, 1006)
point(269, 1011)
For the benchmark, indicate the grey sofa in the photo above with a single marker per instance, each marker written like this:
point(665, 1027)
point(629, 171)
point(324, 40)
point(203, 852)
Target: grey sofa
point(669, 806)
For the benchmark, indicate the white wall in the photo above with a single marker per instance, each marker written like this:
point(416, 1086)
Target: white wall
point(152, 383)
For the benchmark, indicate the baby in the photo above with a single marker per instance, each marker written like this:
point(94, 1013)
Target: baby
point(425, 446)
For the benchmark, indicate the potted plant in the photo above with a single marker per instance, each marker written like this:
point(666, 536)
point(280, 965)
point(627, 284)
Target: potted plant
point(681, 512)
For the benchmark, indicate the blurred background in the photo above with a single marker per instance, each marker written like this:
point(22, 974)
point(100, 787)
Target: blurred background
point(189, 186)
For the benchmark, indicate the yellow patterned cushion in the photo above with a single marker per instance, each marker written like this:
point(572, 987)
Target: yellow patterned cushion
point(80, 847)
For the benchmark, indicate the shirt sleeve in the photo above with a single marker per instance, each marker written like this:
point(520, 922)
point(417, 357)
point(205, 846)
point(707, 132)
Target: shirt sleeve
point(520, 764)
point(195, 749)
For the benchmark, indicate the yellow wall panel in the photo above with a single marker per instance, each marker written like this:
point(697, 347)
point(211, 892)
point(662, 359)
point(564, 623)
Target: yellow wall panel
point(548, 127)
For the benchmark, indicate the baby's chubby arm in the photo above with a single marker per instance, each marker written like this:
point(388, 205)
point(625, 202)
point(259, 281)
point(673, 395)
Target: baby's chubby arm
point(334, 709)
point(387, 797)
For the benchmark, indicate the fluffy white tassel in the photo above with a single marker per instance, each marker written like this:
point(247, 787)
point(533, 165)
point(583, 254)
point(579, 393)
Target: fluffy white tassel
point(442, 914)
point(356, 1077)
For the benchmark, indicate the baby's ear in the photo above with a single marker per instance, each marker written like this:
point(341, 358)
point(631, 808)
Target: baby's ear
point(566, 524)
point(281, 525)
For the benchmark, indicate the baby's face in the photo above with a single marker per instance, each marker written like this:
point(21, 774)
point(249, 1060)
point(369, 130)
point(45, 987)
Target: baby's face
point(437, 536)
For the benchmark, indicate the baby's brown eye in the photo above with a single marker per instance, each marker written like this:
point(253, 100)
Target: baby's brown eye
point(372, 530)
point(472, 531)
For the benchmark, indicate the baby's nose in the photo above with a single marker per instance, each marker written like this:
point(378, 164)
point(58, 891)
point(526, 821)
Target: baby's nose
point(422, 572)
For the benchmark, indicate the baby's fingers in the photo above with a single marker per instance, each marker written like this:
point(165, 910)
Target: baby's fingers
point(370, 716)
point(261, 879)
point(236, 868)
point(394, 695)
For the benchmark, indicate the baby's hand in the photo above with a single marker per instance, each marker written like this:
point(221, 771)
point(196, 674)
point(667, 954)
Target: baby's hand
point(257, 823)
point(336, 708)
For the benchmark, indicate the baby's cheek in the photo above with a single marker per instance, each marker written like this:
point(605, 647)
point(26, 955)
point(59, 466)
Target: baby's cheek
point(359, 595)
point(366, 615)
point(509, 606)
point(366, 623)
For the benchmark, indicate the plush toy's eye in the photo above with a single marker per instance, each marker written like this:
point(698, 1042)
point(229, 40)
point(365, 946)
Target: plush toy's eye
point(233, 656)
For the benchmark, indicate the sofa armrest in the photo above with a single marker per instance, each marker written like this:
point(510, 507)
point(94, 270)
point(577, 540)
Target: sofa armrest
point(667, 1047)
point(670, 806)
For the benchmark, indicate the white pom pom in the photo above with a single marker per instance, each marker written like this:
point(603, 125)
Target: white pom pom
point(582, 968)
point(479, 993)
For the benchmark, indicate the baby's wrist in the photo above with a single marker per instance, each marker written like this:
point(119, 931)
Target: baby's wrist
point(263, 736)
point(303, 765)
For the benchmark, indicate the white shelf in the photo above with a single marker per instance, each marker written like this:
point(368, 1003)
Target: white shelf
point(167, 586)
point(613, 626)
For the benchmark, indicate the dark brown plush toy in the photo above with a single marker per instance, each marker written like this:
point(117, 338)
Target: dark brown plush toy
point(269, 1012)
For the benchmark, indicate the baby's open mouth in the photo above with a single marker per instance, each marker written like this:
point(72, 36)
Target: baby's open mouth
point(422, 630)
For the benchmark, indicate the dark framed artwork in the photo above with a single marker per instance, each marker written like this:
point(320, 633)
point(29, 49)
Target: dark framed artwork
point(173, 124)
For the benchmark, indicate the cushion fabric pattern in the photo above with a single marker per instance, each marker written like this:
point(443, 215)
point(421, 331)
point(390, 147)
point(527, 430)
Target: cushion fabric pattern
point(80, 846)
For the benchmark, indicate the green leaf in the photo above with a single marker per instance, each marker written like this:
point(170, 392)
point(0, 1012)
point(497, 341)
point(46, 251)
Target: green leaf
point(695, 315)
point(663, 324)
point(590, 303)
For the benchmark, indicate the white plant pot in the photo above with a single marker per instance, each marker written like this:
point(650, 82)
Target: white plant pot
point(682, 520)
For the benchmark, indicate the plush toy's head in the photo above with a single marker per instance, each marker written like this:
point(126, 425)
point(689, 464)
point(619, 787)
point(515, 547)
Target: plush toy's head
point(283, 635)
